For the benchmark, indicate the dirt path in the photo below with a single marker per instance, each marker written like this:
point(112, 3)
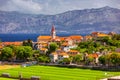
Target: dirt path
point(115, 77)
point(8, 66)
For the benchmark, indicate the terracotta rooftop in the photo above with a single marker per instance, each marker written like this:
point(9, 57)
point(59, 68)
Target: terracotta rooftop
point(94, 55)
point(44, 37)
point(73, 51)
point(63, 54)
point(12, 43)
point(43, 49)
point(77, 37)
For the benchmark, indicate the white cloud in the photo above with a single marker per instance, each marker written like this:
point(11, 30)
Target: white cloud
point(54, 6)
point(25, 6)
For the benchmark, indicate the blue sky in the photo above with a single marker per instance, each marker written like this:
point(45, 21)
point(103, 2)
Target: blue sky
point(54, 6)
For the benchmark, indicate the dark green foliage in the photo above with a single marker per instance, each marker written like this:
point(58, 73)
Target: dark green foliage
point(44, 59)
point(78, 58)
point(114, 58)
point(99, 44)
point(116, 37)
point(102, 59)
point(27, 43)
point(23, 52)
point(65, 61)
point(52, 47)
point(110, 59)
point(6, 53)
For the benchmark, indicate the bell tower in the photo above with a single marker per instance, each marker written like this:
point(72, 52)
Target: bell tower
point(53, 32)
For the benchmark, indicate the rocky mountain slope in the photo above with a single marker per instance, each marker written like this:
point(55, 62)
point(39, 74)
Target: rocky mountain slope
point(85, 21)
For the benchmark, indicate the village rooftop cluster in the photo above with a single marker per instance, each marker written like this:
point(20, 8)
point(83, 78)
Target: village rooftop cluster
point(71, 49)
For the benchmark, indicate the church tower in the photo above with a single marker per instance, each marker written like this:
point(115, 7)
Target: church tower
point(53, 32)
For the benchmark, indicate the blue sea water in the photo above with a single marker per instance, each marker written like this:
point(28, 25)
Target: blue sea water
point(18, 37)
point(21, 37)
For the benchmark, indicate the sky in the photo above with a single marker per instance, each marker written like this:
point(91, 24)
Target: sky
point(54, 6)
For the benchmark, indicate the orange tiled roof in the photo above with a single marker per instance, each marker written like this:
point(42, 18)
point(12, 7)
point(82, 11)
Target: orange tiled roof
point(44, 37)
point(73, 51)
point(63, 54)
point(57, 39)
point(62, 38)
point(94, 33)
point(65, 44)
point(93, 55)
point(1, 47)
point(102, 35)
point(12, 43)
point(54, 53)
point(77, 37)
point(88, 37)
point(43, 49)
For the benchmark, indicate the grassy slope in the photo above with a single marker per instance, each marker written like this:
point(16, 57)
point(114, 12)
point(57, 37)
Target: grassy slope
point(56, 73)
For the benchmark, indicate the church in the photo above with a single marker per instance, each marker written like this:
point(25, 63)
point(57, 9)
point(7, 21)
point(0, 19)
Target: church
point(64, 50)
point(69, 40)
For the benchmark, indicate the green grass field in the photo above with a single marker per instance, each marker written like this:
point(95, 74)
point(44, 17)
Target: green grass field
point(58, 73)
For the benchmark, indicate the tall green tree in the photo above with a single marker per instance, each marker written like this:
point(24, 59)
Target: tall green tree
point(23, 52)
point(6, 53)
point(52, 47)
point(114, 58)
point(78, 58)
point(102, 59)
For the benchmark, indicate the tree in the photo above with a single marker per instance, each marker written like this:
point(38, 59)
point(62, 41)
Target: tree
point(28, 51)
point(28, 43)
point(114, 58)
point(66, 60)
point(6, 53)
point(20, 52)
point(78, 58)
point(90, 60)
point(52, 47)
point(23, 52)
point(102, 59)
point(116, 37)
point(44, 59)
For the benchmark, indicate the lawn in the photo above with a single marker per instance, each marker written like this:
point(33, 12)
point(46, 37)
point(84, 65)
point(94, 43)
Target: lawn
point(57, 73)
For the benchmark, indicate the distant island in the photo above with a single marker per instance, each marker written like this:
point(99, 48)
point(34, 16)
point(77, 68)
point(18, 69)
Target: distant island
point(105, 19)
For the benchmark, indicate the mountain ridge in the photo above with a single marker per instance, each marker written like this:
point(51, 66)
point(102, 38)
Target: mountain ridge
point(103, 19)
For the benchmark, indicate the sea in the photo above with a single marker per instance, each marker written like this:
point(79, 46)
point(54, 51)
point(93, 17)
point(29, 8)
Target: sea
point(22, 37)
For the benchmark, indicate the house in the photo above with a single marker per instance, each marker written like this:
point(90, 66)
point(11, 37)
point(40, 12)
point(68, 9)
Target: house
point(62, 55)
point(88, 37)
point(41, 45)
point(73, 52)
point(66, 49)
point(43, 38)
point(53, 57)
point(58, 55)
point(99, 35)
point(11, 43)
point(76, 38)
point(1, 47)
point(43, 50)
point(111, 33)
point(95, 57)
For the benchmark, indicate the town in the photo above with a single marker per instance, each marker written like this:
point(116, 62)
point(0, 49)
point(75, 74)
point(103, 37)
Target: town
point(96, 49)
